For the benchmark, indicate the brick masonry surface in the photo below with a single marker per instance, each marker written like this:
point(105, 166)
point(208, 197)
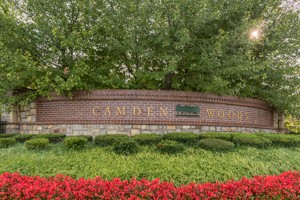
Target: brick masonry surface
point(141, 111)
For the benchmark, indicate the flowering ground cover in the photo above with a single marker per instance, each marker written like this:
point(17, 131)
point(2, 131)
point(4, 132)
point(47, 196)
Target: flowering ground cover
point(194, 165)
point(16, 186)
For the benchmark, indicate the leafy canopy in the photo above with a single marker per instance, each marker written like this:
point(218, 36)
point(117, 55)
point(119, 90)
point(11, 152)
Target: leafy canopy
point(194, 45)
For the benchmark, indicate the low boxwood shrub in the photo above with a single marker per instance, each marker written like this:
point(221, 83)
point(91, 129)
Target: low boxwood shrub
point(7, 135)
point(7, 142)
point(147, 139)
point(251, 140)
point(108, 140)
point(23, 137)
point(88, 137)
point(216, 145)
point(217, 135)
point(282, 139)
point(126, 146)
point(170, 147)
point(37, 144)
point(182, 137)
point(52, 137)
point(75, 142)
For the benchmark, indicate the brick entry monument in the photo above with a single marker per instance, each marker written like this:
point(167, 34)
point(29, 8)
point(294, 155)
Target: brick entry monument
point(143, 111)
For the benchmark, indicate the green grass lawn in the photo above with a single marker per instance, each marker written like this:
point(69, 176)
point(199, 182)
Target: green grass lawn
point(193, 165)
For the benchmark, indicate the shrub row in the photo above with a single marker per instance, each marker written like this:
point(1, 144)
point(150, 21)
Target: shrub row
point(8, 135)
point(53, 138)
point(16, 186)
point(285, 140)
point(209, 140)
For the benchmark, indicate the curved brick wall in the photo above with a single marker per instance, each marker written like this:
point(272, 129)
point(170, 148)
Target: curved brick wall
point(129, 110)
point(153, 107)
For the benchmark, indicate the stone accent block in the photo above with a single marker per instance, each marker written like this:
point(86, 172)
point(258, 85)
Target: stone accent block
point(135, 132)
point(171, 127)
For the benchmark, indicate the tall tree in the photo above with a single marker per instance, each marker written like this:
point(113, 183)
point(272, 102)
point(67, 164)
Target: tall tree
point(248, 48)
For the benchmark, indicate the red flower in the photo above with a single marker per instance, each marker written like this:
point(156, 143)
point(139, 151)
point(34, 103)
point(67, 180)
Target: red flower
point(16, 186)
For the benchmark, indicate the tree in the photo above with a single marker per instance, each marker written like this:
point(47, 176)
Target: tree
point(195, 45)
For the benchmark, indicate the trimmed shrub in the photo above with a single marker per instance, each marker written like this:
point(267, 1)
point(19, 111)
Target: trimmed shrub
point(88, 137)
point(52, 137)
point(23, 137)
point(282, 139)
point(37, 143)
point(147, 139)
point(184, 138)
point(75, 142)
point(216, 144)
point(108, 140)
point(217, 135)
point(7, 135)
point(170, 147)
point(126, 146)
point(7, 142)
point(251, 140)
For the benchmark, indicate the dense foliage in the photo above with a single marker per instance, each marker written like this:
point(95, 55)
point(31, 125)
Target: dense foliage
point(170, 147)
point(126, 147)
point(24, 137)
point(147, 139)
point(196, 45)
point(216, 145)
point(53, 137)
point(37, 144)
point(7, 142)
point(75, 142)
point(293, 124)
point(252, 140)
point(186, 138)
point(283, 139)
point(108, 140)
point(7, 135)
point(16, 186)
point(217, 135)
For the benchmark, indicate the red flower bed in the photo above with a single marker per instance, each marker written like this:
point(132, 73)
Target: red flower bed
point(15, 186)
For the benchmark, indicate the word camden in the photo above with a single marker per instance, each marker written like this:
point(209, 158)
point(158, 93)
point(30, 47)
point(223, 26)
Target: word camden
point(123, 111)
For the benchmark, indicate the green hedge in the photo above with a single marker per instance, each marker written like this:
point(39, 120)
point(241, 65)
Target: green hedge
point(216, 145)
point(108, 140)
point(170, 147)
point(37, 143)
point(75, 142)
point(147, 139)
point(52, 137)
point(282, 139)
point(182, 137)
point(251, 140)
point(7, 135)
point(217, 135)
point(23, 137)
point(7, 142)
point(126, 146)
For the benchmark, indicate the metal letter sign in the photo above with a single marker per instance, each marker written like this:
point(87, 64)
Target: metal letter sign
point(189, 111)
